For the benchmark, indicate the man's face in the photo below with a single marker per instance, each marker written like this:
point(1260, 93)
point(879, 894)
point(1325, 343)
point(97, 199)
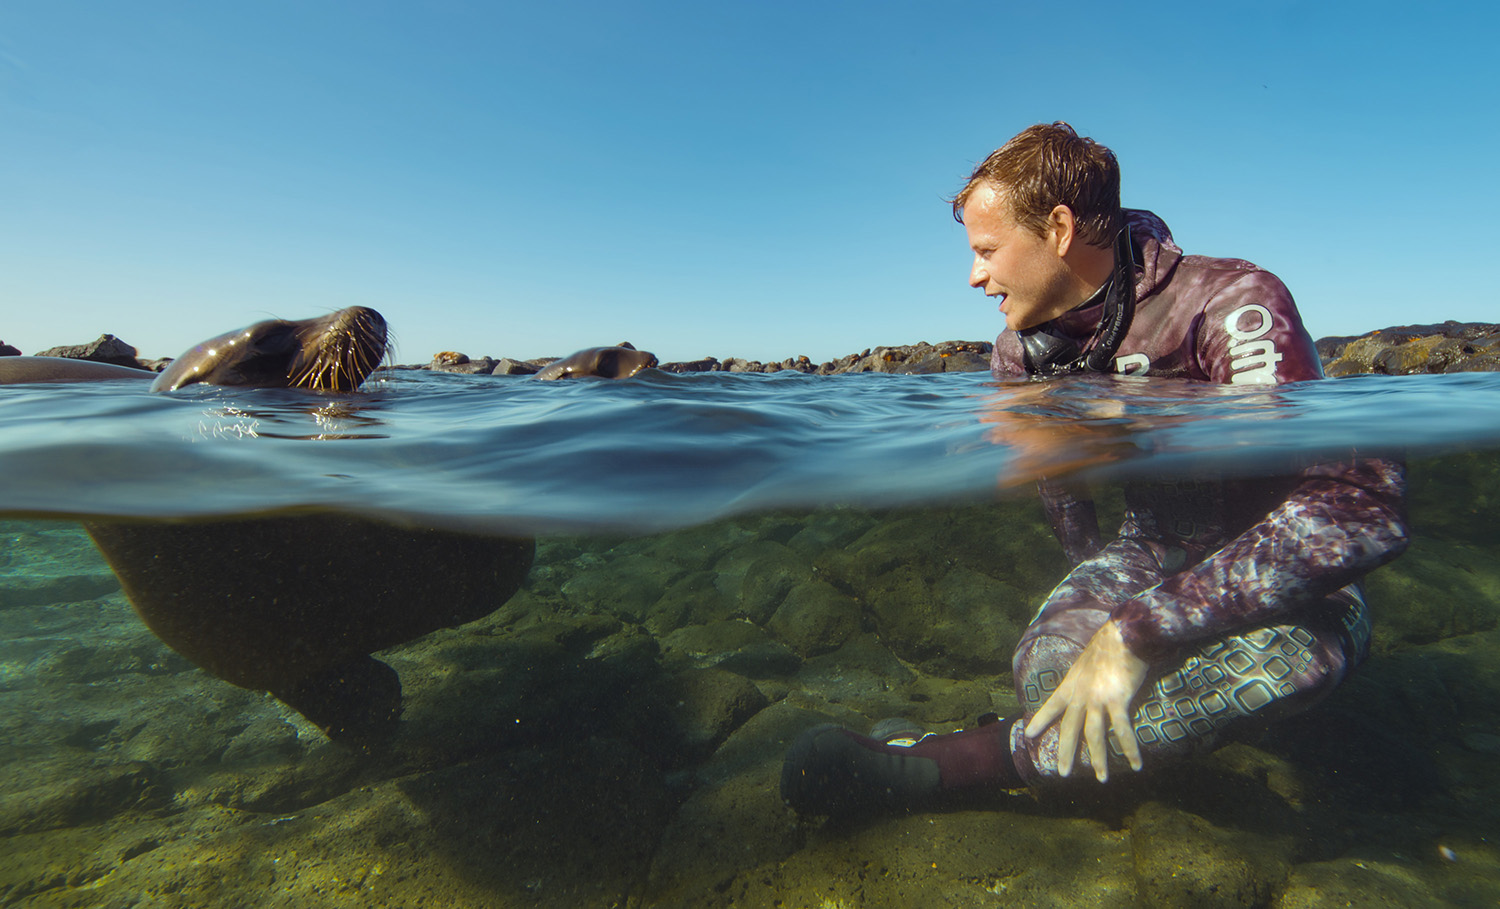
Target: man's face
point(1012, 262)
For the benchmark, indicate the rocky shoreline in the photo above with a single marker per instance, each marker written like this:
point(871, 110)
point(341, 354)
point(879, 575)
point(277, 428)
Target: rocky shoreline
point(1444, 347)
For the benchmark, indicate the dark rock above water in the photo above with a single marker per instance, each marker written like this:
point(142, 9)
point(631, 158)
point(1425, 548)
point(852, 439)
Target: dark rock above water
point(1404, 350)
point(1413, 349)
point(921, 358)
point(104, 349)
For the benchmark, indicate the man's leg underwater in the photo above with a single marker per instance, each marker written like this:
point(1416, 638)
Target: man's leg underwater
point(1264, 673)
point(829, 769)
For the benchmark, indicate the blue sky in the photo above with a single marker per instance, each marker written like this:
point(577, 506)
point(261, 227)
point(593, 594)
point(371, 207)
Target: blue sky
point(757, 179)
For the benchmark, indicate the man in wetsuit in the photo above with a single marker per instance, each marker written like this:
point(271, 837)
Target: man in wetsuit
point(1219, 602)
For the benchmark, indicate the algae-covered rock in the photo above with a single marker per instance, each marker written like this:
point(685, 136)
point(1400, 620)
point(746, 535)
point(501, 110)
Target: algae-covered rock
point(815, 618)
point(572, 825)
point(692, 600)
point(768, 580)
point(1408, 349)
point(963, 858)
point(706, 705)
point(735, 646)
point(1184, 862)
point(932, 582)
point(45, 791)
point(1357, 882)
point(864, 676)
point(735, 820)
point(1456, 497)
point(733, 566)
point(1437, 589)
point(831, 529)
point(627, 588)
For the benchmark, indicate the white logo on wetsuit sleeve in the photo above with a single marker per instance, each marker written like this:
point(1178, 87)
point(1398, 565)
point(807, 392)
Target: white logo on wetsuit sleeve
point(1251, 359)
point(1133, 364)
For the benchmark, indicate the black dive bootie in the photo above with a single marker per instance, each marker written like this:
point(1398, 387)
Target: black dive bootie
point(831, 770)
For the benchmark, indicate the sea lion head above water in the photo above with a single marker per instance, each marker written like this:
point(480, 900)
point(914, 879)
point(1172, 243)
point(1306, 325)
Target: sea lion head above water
point(336, 352)
point(620, 362)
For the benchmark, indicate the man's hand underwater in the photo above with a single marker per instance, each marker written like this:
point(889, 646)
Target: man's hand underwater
point(1094, 698)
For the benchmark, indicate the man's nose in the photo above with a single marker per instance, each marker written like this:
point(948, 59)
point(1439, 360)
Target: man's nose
point(978, 277)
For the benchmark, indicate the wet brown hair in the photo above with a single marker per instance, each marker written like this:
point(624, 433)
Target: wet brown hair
point(1049, 165)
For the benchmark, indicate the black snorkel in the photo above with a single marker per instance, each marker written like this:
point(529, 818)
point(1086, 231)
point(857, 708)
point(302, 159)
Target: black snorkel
point(1047, 354)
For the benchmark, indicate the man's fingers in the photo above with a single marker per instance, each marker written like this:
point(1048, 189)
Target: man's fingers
point(1125, 735)
point(1051, 709)
point(1094, 731)
point(1067, 740)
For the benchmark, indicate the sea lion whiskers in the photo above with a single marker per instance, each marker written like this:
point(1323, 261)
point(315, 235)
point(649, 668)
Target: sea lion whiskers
point(347, 350)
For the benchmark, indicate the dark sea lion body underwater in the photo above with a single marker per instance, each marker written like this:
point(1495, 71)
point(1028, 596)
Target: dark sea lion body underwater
point(295, 604)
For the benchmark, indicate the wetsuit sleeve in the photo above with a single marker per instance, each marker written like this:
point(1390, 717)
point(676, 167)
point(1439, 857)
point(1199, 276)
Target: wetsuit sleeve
point(1252, 334)
point(1340, 522)
point(1075, 522)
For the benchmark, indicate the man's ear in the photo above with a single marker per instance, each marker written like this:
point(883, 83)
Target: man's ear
point(1062, 228)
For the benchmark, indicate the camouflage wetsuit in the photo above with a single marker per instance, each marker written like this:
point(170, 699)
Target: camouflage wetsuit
point(1241, 595)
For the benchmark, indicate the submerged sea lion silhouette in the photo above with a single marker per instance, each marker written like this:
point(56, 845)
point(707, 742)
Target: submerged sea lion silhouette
point(294, 604)
point(619, 362)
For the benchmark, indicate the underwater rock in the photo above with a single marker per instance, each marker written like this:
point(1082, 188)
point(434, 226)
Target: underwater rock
point(706, 705)
point(70, 788)
point(1456, 497)
point(937, 861)
point(768, 580)
point(38, 591)
point(1413, 349)
point(1358, 882)
point(928, 579)
point(570, 826)
point(735, 820)
point(1184, 862)
point(698, 548)
point(735, 564)
point(863, 682)
point(815, 618)
point(1437, 589)
point(831, 529)
point(693, 600)
point(735, 646)
point(1468, 669)
point(624, 587)
point(861, 676)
